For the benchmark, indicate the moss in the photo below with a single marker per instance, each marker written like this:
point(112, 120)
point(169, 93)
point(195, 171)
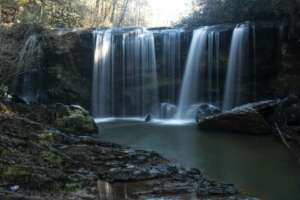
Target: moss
point(72, 186)
point(46, 137)
point(14, 174)
point(75, 123)
point(52, 159)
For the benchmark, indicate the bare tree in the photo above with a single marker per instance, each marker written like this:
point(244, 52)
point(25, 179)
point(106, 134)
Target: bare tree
point(123, 12)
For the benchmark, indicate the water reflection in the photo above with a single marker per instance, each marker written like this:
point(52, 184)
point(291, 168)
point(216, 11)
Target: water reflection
point(260, 166)
point(105, 190)
point(122, 191)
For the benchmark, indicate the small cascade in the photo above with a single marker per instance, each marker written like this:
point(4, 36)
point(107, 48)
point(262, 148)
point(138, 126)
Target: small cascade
point(237, 66)
point(192, 91)
point(125, 76)
point(30, 73)
point(171, 64)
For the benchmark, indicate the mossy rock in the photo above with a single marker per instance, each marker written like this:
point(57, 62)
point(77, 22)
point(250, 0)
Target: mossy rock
point(15, 174)
point(52, 159)
point(46, 137)
point(75, 119)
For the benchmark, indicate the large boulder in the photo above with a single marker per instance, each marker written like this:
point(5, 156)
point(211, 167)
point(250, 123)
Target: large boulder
point(167, 110)
point(206, 110)
point(200, 111)
point(69, 119)
point(74, 119)
point(250, 118)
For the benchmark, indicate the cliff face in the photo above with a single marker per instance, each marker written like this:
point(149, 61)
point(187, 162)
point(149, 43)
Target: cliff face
point(55, 66)
point(68, 65)
point(287, 81)
point(12, 40)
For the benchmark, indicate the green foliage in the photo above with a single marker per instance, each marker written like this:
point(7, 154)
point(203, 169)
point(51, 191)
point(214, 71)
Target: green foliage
point(14, 173)
point(46, 137)
point(52, 159)
point(74, 13)
point(72, 186)
point(53, 13)
point(207, 12)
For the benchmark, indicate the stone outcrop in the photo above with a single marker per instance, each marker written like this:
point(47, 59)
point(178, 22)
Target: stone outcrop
point(68, 66)
point(64, 70)
point(167, 110)
point(256, 118)
point(250, 118)
point(206, 110)
point(69, 119)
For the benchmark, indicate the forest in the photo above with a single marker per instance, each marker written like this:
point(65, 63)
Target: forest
point(88, 13)
point(76, 13)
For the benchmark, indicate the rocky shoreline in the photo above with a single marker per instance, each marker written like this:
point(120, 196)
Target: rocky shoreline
point(40, 159)
point(278, 117)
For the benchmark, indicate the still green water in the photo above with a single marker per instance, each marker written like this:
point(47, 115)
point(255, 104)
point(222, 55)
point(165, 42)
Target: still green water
point(259, 166)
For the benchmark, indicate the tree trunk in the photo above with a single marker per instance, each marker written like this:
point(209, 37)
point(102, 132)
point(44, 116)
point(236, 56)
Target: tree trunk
point(123, 13)
point(96, 12)
point(113, 11)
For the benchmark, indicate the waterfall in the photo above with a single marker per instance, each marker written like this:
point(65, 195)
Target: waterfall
point(29, 70)
point(238, 61)
point(125, 77)
point(102, 84)
point(214, 75)
point(192, 91)
point(171, 63)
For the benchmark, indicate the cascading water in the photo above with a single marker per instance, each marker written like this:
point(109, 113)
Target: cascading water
point(102, 83)
point(29, 68)
point(125, 76)
point(238, 61)
point(171, 63)
point(125, 73)
point(214, 79)
point(191, 90)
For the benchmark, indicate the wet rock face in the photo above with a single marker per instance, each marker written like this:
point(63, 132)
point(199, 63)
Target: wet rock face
point(68, 66)
point(293, 114)
point(64, 67)
point(12, 41)
point(38, 157)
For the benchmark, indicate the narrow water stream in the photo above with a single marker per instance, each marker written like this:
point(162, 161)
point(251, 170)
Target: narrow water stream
point(259, 166)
